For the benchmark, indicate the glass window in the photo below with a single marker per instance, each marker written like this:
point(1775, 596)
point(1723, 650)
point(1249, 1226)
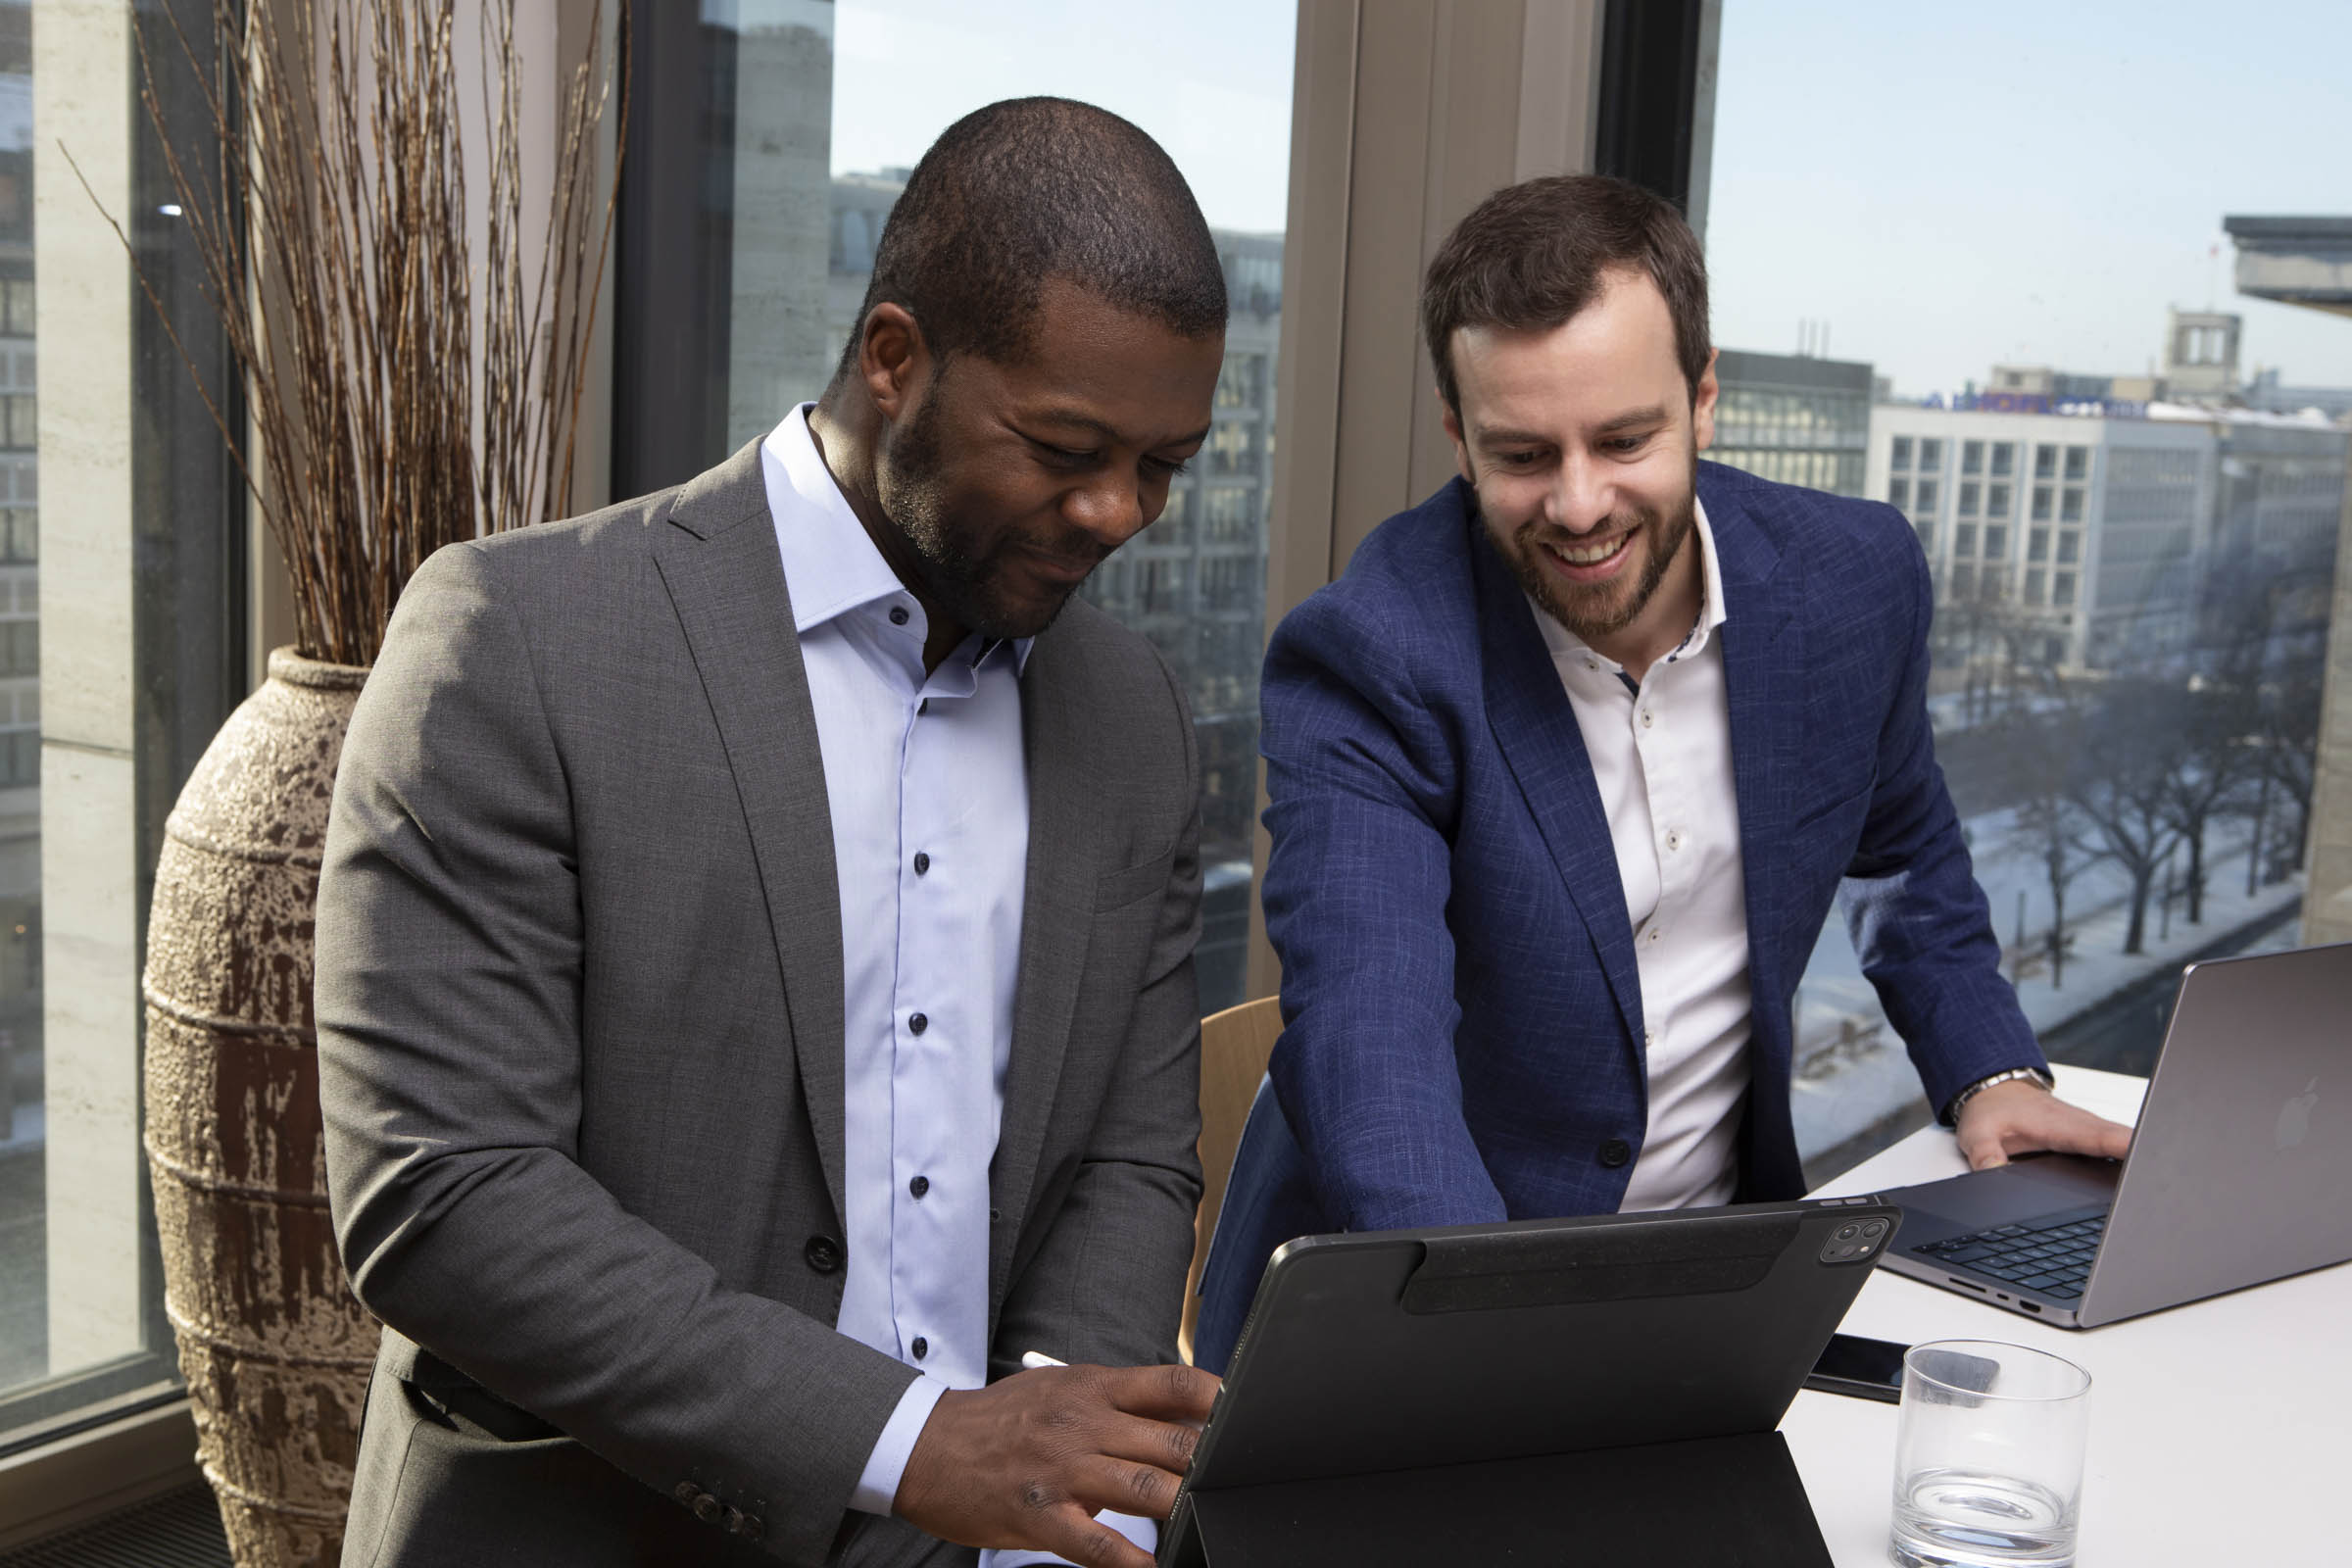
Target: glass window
point(2199, 574)
point(1899, 452)
point(143, 639)
point(1898, 492)
point(1930, 455)
point(759, 183)
point(1926, 496)
point(1927, 536)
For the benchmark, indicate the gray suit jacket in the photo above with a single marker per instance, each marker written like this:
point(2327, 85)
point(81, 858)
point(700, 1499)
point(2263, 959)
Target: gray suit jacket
point(579, 1009)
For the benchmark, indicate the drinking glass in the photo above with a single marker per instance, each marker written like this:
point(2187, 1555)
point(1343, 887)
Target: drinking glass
point(1988, 1458)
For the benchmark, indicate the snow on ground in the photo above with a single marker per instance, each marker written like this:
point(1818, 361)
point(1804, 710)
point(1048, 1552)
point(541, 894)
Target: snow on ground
point(1851, 1068)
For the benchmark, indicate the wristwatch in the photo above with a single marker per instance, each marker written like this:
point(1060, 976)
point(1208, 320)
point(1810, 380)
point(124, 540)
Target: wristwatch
point(1951, 1113)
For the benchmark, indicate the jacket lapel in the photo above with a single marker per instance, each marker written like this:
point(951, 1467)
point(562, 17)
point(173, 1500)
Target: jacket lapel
point(1056, 900)
point(1763, 672)
point(719, 562)
point(1536, 731)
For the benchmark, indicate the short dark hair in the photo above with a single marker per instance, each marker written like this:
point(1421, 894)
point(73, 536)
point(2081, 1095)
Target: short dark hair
point(1532, 254)
point(1032, 188)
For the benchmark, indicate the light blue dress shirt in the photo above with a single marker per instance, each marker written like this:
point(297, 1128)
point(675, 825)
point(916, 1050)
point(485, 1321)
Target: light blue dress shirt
point(929, 791)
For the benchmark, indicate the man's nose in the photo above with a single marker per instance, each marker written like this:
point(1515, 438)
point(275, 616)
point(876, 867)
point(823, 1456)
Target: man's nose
point(1579, 498)
point(1109, 509)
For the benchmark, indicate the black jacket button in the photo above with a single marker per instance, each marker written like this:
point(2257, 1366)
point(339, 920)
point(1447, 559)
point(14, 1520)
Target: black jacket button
point(749, 1527)
point(708, 1508)
point(1615, 1153)
point(686, 1491)
point(823, 1253)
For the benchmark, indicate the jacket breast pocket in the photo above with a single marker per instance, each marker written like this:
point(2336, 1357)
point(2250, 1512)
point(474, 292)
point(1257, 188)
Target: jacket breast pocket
point(1115, 889)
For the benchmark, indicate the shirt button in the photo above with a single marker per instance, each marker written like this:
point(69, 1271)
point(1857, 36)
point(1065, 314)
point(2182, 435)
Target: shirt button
point(1652, 936)
point(920, 1186)
point(921, 1346)
point(1646, 718)
point(1615, 1153)
point(917, 1024)
point(1673, 841)
point(897, 615)
point(922, 863)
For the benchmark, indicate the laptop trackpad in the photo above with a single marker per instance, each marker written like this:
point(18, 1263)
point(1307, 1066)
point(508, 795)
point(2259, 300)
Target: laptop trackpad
point(2022, 1189)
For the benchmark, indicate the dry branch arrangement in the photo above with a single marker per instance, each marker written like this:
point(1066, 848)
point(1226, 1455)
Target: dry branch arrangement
point(330, 226)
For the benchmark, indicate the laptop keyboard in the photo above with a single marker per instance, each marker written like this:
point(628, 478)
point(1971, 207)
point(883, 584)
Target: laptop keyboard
point(2051, 1255)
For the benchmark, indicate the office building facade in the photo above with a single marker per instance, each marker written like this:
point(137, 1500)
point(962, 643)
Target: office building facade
point(1794, 419)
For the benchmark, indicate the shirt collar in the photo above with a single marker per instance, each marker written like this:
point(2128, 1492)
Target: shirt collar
point(1711, 611)
point(830, 561)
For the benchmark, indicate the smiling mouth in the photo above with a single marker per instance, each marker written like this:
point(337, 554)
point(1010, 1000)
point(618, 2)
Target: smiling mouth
point(1583, 559)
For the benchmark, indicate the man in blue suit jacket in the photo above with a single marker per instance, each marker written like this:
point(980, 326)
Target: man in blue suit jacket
point(1565, 772)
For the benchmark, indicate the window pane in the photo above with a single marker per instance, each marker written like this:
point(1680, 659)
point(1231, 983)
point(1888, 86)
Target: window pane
point(747, 239)
point(1898, 492)
point(114, 687)
point(1926, 496)
point(2181, 499)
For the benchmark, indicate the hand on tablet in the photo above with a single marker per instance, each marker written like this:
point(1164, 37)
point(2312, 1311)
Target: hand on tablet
point(1029, 1460)
point(2021, 1116)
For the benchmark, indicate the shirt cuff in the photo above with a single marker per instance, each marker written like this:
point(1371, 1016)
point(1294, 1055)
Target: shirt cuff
point(878, 1486)
point(1144, 1532)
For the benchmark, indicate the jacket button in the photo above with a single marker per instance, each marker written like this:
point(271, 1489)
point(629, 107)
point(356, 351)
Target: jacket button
point(749, 1527)
point(734, 1524)
point(823, 1253)
point(1615, 1153)
point(686, 1491)
point(708, 1508)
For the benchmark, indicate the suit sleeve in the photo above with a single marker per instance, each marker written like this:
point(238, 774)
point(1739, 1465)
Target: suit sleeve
point(1106, 1284)
point(449, 995)
point(1919, 921)
point(1359, 780)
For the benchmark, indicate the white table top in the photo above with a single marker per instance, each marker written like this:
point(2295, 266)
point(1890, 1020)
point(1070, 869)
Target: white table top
point(2221, 1432)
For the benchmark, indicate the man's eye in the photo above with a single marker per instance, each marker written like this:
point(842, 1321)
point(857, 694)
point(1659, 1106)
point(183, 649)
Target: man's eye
point(1624, 444)
point(1061, 456)
point(1162, 468)
point(1517, 460)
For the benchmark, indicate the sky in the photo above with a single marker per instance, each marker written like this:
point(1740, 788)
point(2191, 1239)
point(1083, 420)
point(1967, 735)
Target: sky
point(1946, 186)
point(1955, 186)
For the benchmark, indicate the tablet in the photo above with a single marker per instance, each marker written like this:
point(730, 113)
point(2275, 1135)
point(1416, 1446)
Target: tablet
point(1389, 1351)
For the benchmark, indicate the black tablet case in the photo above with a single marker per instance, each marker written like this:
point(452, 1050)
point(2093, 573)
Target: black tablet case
point(1552, 1391)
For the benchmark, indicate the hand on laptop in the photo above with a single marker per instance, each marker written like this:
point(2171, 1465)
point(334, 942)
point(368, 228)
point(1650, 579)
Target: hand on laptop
point(2021, 1116)
point(1030, 1459)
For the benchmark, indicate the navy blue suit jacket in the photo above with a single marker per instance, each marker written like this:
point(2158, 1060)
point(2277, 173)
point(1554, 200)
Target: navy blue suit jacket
point(1463, 1019)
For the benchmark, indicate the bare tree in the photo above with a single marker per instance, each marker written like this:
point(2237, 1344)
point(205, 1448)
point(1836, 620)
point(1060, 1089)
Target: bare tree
point(2049, 828)
point(2211, 723)
point(2123, 788)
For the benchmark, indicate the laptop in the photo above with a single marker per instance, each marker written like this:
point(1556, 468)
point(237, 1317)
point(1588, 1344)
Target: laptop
point(2238, 1174)
point(1486, 1394)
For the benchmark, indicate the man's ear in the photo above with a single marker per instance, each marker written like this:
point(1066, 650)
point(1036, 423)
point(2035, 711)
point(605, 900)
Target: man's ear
point(1702, 406)
point(893, 359)
point(1453, 433)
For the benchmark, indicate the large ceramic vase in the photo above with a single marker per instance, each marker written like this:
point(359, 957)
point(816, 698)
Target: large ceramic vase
point(275, 1347)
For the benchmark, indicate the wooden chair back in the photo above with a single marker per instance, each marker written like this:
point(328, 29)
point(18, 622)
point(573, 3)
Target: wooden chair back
point(1234, 1046)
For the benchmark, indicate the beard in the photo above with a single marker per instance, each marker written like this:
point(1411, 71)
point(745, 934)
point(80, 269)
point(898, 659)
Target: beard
point(965, 577)
point(1594, 610)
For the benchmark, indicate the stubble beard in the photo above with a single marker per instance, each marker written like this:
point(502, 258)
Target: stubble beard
point(914, 495)
point(1603, 609)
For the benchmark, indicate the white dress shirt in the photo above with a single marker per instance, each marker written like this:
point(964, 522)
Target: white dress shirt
point(1661, 755)
point(928, 788)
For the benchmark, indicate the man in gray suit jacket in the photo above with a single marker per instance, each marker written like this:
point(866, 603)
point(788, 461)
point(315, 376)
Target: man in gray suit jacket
point(697, 1240)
